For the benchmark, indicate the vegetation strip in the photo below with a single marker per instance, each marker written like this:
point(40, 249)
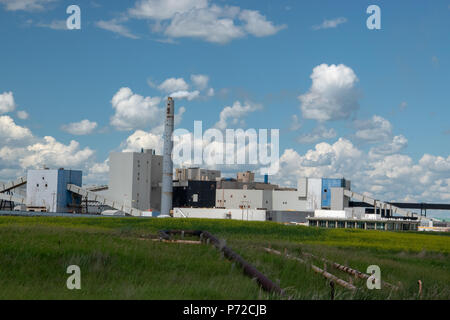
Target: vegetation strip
point(249, 270)
point(324, 273)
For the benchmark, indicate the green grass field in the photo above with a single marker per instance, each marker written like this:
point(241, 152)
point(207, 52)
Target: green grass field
point(117, 263)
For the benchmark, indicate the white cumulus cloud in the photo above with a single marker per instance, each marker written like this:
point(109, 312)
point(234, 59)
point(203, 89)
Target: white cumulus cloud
point(11, 132)
point(80, 128)
point(317, 134)
point(332, 96)
point(7, 103)
point(52, 153)
point(134, 111)
point(373, 130)
point(173, 84)
point(203, 20)
point(232, 115)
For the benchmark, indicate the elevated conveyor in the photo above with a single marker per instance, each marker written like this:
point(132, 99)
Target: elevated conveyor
point(378, 204)
point(13, 198)
point(12, 184)
point(90, 195)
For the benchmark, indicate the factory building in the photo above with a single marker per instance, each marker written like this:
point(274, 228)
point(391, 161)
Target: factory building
point(135, 179)
point(142, 184)
point(251, 199)
point(351, 220)
point(246, 176)
point(194, 194)
point(47, 192)
point(196, 174)
point(229, 183)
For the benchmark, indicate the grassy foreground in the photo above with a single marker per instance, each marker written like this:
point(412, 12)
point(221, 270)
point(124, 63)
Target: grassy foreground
point(116, 263)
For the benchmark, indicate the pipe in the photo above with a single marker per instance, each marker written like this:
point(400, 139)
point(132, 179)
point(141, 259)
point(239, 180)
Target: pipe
point(249, 270)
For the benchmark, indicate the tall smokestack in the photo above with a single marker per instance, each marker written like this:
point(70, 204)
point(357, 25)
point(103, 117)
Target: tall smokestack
point(167, 182)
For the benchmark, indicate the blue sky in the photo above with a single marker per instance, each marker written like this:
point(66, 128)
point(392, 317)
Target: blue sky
point(400, 75)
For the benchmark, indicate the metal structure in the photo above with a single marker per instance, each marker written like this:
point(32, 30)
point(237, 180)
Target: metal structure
point(423, 207)
point(12, 184)
point(167, 180)
point(378, 204)
point(92, 196)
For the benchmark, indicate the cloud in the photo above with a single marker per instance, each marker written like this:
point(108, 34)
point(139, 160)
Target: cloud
point(173, 84)
point(164, 9)
point(178, 88)
point(202, 20)
point(333, 23)
point(200, 81)
point(52, 153)
point(26, 5)
point(11, 132)
point(97, 173)
point(317, 134)
point(7, 103)
point(213, 24)
point(143, 140)
point(23, 115)
point(332, 96)
point(235, 114)
point(55, 25)
point(373, 130)
point(21, 150)
point(256, 24)
point(397, 144)
point(80, 128)
point(185, 95)
point(133, 111)
point(115, 26)
point(403, 105)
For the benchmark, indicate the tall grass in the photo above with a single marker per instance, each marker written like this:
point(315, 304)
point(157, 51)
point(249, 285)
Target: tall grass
point(117, 264)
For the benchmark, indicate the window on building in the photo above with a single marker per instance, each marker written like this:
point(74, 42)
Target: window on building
point(341, 224)
point(380, 226)
point(331, 224)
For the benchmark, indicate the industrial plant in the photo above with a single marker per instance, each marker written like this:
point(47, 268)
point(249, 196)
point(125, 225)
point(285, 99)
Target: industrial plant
point(144, 184)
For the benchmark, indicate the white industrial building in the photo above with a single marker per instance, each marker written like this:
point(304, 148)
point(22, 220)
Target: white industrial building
point(135, 179)
point(217, 213)
point(47, 191)
point(307, 197)
point(241, 198)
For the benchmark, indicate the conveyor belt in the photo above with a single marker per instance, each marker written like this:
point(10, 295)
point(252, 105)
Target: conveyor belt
point(13, 198)
point(12, 184)
point(378, 204)
point(103, 200)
